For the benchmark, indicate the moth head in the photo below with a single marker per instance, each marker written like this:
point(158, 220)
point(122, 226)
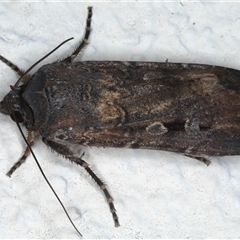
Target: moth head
point(12, 105)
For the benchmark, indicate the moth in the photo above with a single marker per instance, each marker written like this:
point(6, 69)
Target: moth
point(193, 109)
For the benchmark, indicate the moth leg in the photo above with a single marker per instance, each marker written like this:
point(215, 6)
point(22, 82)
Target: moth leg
point(199, 158)
point(84, 42)
point(101, 185)
point(30, 139)
point(15, 68)
point(64, 150)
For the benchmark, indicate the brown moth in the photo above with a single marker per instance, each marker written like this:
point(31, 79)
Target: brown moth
point(192, 109)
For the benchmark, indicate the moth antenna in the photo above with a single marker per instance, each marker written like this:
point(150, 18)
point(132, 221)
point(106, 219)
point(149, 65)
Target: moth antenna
point(44, 176)
point(19, 80)
point(84, 41)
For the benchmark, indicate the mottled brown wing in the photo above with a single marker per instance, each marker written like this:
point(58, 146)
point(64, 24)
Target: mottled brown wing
point(187, 108)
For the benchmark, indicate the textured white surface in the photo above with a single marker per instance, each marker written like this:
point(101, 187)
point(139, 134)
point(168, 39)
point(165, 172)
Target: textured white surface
point(157, 194)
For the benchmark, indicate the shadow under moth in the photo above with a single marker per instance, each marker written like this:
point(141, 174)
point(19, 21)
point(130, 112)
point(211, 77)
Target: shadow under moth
point(193, 109)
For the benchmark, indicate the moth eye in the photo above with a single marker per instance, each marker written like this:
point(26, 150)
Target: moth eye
point(17, 117)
